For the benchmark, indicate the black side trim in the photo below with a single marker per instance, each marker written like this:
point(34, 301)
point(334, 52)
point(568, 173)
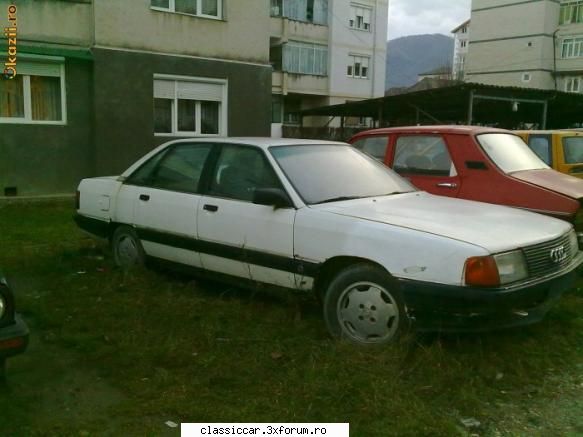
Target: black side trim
point(241, 254)
point(93, 226)
point(235, 281)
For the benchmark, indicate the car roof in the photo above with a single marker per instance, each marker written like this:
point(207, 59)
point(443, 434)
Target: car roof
point(551, 132)
point(449, 129)
point(262, 142)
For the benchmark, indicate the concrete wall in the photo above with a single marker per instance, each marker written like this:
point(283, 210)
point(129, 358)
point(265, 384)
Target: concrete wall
point(53, 21)
point(242, 35)
point(124, 114)
point(512, 37)
point(45, 159)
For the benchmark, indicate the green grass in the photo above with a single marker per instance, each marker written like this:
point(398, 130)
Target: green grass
point(122, 354)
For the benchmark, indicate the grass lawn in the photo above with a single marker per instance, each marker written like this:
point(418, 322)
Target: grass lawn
point(122, 354)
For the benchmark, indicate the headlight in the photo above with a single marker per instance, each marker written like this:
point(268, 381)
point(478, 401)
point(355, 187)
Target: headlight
point(511, 266)
point(493, 271)
point(2, 306)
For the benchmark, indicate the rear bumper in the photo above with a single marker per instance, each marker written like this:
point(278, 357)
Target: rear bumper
point(446, 308)
point(13, 338)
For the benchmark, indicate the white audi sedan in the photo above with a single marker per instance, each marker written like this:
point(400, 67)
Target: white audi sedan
point(323, 217)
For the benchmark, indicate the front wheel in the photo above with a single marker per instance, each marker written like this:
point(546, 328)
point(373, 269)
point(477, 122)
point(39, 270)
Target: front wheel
point(127, 250)
point(364, 305)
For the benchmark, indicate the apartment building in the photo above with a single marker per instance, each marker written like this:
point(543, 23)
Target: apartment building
point(325, 52)
point(534, 44)
point(569, 47)
point(99, 83)
point(461, 37)
point(512, 43)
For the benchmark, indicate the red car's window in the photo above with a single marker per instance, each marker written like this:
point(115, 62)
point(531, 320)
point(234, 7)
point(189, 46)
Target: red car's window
point(422, 154)
point(375, 146)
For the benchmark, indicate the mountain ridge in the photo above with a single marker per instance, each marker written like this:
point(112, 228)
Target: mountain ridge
point(409, 56)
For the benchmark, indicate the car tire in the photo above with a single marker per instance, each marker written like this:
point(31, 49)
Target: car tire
point(363, 304)
point(127, 249)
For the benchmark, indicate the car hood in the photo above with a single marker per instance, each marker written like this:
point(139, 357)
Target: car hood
point(553, 180)
point(493, 227)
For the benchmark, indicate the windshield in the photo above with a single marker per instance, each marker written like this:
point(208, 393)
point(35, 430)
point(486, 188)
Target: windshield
point(326, 173)
point(510, 153)
point(573, 149)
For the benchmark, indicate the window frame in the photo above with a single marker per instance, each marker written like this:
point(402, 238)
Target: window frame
point(162, 155)
point(318, 52)
point(27, 119)
point(213, 167)
point(172, 9)
point(353, 19)
point(572, 47)
point(571, 81)
point(351, 67)
point(418, 172)
point(571, 10)
point(223, 107)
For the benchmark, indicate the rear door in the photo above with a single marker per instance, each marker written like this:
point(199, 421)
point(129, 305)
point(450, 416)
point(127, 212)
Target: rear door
point(164, 194)
point(426, 161)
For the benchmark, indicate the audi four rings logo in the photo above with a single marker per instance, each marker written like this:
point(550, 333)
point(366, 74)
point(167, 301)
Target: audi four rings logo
point(558, 254)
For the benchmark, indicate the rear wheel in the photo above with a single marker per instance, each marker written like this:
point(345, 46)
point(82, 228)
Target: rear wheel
point(364, 305)
point(127, 249)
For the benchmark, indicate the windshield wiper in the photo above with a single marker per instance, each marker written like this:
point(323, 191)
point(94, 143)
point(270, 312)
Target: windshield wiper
point(337, 199)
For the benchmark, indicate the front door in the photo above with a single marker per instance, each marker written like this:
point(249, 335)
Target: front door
point(238, 237)
point(426, 162)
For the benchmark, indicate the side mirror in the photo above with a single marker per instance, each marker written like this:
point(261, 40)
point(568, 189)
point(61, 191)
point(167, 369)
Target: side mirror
point(275, 197)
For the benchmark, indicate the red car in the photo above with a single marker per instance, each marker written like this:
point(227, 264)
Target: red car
point(476, 163)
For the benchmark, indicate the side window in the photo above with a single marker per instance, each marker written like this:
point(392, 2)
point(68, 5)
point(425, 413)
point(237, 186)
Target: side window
point(240, 171)
point(179, 169)
point(375, 146)
point(424, 155)
point(541, 146)
point(573, 150)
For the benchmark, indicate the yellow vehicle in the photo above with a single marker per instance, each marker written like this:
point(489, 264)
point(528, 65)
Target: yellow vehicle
point(560, 149)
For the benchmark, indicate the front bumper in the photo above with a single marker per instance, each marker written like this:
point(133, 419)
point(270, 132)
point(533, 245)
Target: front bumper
point(13, 338)
point(448, 308)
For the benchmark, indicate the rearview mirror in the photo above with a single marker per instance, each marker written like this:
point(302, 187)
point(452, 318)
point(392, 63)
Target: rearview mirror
point(275, 197)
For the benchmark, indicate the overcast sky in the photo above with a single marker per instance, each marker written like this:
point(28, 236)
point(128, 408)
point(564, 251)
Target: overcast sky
point(414, 17)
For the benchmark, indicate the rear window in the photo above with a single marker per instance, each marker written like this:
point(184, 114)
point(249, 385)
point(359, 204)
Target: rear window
point(510, 153)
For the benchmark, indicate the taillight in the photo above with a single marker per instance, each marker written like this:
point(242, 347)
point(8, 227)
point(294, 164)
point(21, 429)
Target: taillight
point(78, 200)
point(482, 271)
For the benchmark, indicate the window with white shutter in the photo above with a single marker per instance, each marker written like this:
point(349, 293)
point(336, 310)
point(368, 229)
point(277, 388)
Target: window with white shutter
point(190, 106)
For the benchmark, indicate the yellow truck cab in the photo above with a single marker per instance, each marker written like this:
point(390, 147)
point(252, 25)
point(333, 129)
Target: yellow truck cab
point(560, 149)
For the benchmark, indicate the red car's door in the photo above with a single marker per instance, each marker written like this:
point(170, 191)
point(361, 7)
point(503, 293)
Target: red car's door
point(425, 160)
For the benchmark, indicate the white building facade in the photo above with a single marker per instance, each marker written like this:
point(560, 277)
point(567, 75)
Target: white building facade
point(461, 36)
point(325, 52)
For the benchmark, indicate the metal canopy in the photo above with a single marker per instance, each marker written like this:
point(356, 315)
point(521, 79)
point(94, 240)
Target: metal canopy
point(467, 103)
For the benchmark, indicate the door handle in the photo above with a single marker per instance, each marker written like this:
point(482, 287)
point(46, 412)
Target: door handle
point(447, 185)
point(144, 197)
point(211, 208)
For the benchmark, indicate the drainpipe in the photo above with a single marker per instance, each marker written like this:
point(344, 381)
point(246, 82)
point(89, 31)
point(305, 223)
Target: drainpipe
point(555, 58)
point(374, 49)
